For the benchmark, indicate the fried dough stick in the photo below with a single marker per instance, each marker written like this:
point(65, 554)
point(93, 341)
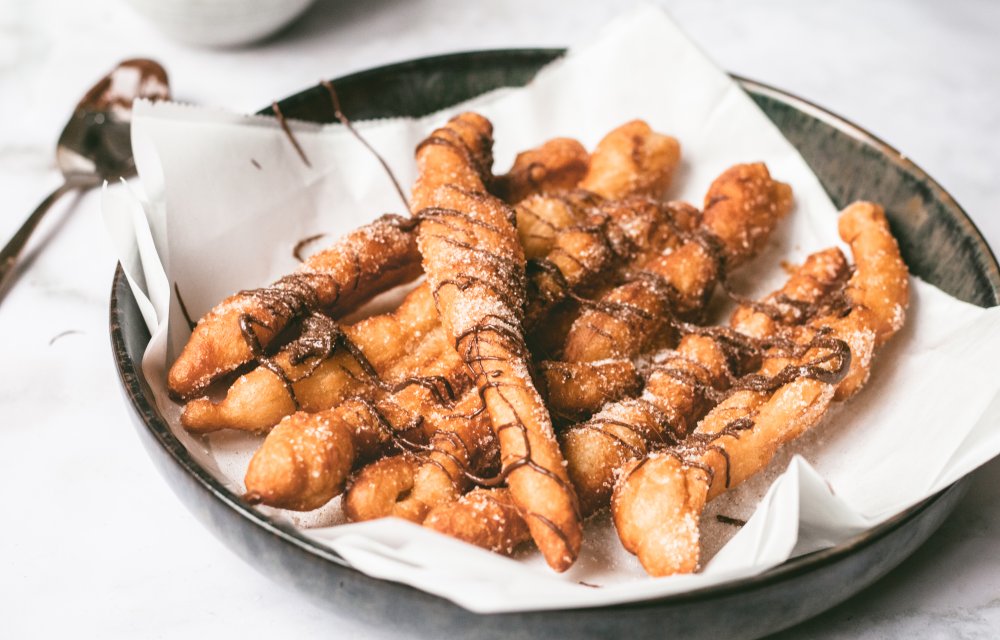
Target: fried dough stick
point(742, 206)
point(306, 458)
point(658, 501)
point(372, 259)
point(475, 267)
point(366, 262)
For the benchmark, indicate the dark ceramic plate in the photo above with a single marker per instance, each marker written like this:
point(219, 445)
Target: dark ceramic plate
point(938, 240)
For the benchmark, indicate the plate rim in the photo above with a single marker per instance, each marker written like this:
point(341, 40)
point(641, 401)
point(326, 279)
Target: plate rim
point(130, 371)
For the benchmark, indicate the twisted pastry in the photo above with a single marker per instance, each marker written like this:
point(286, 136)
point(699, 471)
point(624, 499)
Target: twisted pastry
point(475, 267)
point(657, 501)
point(372, 259)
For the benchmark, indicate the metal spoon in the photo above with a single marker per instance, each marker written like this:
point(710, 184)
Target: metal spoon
point(95, 145)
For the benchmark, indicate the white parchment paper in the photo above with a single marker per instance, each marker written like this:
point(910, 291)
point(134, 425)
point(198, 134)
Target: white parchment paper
point(226, 197)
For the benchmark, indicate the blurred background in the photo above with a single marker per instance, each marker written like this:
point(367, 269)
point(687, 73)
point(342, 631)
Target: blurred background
point(98, 536)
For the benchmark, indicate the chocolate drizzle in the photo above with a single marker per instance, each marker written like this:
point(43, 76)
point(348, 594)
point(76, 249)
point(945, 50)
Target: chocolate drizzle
point(187, 316)
point(320, 337)
point(548, 284)
point(654, 427)
point(830, 366)
point(736, 522)
point(339, 114)
point(489, 339)
point(303, 243)
point(306, 291)
point(448, 137)
point(288, 133)
point(786, 310)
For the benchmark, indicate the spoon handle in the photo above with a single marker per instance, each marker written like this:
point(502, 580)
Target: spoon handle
point(10, 253)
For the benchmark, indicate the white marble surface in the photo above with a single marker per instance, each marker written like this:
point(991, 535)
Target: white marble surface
point(92, 541)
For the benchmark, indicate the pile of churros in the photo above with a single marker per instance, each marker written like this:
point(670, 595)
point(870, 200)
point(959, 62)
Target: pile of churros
point(555, 359)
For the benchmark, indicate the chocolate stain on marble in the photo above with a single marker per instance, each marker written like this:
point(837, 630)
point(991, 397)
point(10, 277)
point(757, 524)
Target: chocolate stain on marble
point(63, 334)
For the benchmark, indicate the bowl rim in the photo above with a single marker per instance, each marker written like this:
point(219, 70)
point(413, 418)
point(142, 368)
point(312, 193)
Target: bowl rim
point(135, 386)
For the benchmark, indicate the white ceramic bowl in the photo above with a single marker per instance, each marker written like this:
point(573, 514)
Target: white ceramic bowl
point(220, 23)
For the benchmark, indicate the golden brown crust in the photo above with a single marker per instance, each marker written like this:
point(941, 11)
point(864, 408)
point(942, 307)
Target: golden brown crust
point(377, 489)
point(741, 208)
point(366, 262)
point(460, 443)
point(487, 518)
point(808, 284)
point(475, 267)
point(882, 286)
point(632, 159)
point(576, 390)
point(403, 343)
point(305, 460)
point(541, 218)
point(557, 165)
point(676, 550)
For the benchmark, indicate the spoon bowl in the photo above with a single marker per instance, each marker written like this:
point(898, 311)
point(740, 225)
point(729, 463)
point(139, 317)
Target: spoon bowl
point(95, 145)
